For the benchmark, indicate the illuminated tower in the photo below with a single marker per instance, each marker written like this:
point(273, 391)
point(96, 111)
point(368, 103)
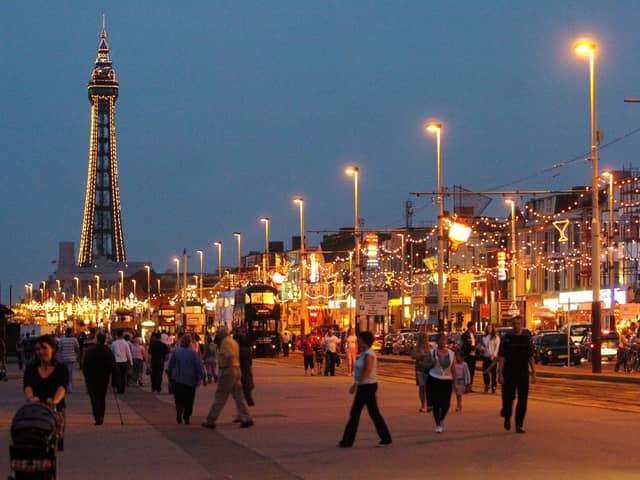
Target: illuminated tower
point(102, 226)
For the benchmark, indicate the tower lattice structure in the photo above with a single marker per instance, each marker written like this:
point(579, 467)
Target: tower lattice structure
point(102, 236)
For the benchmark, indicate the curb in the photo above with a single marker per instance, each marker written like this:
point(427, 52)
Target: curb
point(610, 378)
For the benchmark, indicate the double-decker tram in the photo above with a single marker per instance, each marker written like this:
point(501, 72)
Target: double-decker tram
point(257, 312)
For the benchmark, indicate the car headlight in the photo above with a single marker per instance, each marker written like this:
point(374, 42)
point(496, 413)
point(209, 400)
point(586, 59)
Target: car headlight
point(549, 352)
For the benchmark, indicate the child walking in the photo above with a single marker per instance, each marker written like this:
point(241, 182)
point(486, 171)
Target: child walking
point(463, 379)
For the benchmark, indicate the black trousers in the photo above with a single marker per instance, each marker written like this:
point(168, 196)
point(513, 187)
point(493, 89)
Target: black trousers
point(285, 348)
point(365, 395)
point(156, 376)
point(308, 362)
point(97, 391)
point(471, 363)
point(515, 384)
point(184, 395)
point(119, 377)
point(330, 365)
point(489, 374)
point(439, 393)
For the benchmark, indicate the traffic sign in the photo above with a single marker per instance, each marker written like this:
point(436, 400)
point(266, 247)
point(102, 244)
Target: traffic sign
point(514, 311)
point(374, 303)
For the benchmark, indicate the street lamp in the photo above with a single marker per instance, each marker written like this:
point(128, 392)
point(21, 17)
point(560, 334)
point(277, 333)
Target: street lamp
point(265, 267)
point(354, 172)
point(238, 236)
point(77, 283)
point(612, 280)
point(514, 252)
point(176, 260)
point(218, 244)
point(158, 287)
point(589, 49)
point(201, 254)
point(148, 269)
point(436, 128)
point(121, 272)
point(303, 268)
point(97, 277)
point(135, 289)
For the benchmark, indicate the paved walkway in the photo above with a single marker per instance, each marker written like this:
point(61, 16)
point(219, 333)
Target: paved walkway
point(300, 419)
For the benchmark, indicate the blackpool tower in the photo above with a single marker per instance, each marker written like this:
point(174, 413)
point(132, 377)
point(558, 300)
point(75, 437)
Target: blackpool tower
point(102, 237)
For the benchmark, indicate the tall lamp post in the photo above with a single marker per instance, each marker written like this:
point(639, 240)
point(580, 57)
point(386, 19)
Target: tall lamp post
point(201, 254)
point(218, 244)
point(612, 279)
point(135, 288)
point(76, 280)
point(121, 272)
point(514, 252)
point(436, 128)
point(589, 49)
point(238, 236)
point(303, 269)
point(148, 269)
point(265, 266)
point(355, 173)
point(176, 260)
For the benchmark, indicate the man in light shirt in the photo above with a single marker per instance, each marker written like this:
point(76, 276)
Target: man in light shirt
point(69, 348)
point(331, 343)
point(122, 354)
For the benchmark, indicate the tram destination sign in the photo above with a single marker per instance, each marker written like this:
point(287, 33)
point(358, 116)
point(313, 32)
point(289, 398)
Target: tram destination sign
point(374, 303)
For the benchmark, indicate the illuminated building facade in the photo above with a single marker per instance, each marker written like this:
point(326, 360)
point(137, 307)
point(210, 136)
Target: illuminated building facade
point(102, 236)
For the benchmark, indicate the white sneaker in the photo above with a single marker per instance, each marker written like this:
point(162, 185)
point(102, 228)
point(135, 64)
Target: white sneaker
point(438, 429)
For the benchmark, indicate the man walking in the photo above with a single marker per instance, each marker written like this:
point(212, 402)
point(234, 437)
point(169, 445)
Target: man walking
point(229, 382)
point(97, 365)
point(158, 352)
point(124, 360)
point(469, 348)
point(69, 349)
point(515, 358)
point(331, 343)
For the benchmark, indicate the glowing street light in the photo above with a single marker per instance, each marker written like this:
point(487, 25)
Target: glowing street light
point(265, 267)
point(436, 128)
point(238, 236)
point(121, 272)
point(218, 244)
point(176, 260)
point(354, 172)
point(135, 289)
point(514, 251)
point(612, 279)
point(303, 268)
point(589, 49)
point(148, 269)
point(201, 254)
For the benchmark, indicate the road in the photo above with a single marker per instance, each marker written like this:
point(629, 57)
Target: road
point(300, 419)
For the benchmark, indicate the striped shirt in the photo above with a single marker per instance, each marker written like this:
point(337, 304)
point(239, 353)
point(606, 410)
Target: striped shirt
point(68, 346)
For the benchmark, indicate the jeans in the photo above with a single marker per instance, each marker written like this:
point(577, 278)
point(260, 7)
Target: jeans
point(365, 395)
point(439, 393)
point(489, 372)
point(470, 360)
point(137, 372)
point(513, 384)
point(119, 377)
point(330, 366)
point(69, 366)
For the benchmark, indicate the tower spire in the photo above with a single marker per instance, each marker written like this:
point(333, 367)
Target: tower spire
point(103, 46)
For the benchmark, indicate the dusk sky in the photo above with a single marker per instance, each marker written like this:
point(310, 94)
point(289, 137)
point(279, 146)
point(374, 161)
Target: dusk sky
point(229, 108)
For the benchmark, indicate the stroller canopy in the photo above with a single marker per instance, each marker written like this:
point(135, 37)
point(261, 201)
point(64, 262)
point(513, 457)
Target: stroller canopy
point(33, 416)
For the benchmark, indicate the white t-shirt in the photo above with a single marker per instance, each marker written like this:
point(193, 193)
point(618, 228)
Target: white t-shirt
point(360, 366)
point(331, 343)
point(442, 370)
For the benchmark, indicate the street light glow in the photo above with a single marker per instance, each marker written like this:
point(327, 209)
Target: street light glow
point(585, 48)
point(351, 170)
point(433, 127)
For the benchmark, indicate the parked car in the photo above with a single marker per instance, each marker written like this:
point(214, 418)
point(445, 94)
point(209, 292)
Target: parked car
point(578, 331)
point(552, 348)
point(388, 342)
point(608, 345)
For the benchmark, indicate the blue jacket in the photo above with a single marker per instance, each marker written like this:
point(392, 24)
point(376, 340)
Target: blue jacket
point(185, 366)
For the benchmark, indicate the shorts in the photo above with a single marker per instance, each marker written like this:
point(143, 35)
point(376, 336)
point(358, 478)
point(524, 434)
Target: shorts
point(421, 378)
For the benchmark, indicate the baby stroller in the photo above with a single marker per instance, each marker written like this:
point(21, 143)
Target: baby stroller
point(35, 432)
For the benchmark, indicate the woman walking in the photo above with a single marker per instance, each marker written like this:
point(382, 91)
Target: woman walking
point(351, 350)
point(46, 379)
point(185, 371)
point(210, 354)
point(424, 361)
point(440, 381)
point(307, 352)
point(139, 355)
point(490, 348)
point(365, 387)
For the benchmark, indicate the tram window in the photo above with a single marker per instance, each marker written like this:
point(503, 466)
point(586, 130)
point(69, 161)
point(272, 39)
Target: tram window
point(263, 298)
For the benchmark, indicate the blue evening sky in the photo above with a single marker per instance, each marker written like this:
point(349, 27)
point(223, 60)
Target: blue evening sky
point(228, 108)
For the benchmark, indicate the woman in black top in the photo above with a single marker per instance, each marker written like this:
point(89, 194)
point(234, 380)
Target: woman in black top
point(46, 380)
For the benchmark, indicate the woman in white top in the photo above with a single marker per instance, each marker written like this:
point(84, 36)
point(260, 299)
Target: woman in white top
point(351, 349)
point(442, 376)
point(490, 347)
point(365, 385)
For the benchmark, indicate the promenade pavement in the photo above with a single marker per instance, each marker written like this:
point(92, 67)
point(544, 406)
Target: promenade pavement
point(300, 419)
